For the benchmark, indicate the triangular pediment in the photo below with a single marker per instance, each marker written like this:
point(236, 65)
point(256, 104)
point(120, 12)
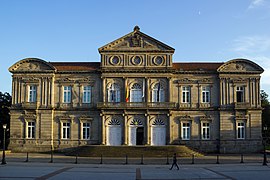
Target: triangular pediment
point(240, 66)
point(31, 65)
point(136, 41)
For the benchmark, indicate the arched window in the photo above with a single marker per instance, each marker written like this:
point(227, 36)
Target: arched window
point(136, 122)
point(136, 93)
point(158, 93)
point(114, 122)
point(158, 122)
point(114, 93)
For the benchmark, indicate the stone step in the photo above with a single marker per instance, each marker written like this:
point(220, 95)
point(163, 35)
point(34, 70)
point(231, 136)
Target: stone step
point(133, 151)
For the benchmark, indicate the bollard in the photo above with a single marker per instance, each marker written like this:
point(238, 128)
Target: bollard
point(101, 159)
point(76, 159)
point(264, 159)
point(242, 159)
point(193, 157)
point(126, 159)
point(26, 157)
point(167, 159)
point(51, 156)
point(217, 159)
point(142, 159)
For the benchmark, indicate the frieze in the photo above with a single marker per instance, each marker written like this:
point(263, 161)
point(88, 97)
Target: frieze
point(30, 80)
point(239, 80)
point(205, 118)
point(86, 80)
point(205, 80)
point(185, 118)
point(65, 80)
point(186, 80)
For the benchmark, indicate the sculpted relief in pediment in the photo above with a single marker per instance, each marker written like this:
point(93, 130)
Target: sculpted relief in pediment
point(240, 65)
point(31, 64)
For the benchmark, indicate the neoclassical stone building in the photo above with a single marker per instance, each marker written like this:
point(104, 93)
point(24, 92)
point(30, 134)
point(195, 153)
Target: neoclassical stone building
point(136, 95)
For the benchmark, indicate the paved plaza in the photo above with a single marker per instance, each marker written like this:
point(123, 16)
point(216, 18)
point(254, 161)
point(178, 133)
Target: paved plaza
point(39, 167)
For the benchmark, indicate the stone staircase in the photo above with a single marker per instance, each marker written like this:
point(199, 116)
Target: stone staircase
point(133, 151)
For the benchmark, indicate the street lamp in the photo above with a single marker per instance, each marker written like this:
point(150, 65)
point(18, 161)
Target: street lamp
point(4, 145)
point(264, 148)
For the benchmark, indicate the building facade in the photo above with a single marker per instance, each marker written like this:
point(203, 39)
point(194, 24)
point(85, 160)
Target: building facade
point(136, 95)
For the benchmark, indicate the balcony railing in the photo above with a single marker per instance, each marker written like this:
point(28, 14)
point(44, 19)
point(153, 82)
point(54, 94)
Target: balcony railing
point(240, 105)
point(29, 105)
point(136, 105)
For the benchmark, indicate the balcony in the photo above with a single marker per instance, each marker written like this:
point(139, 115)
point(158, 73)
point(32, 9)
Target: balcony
point(29, 105)
point(241, 105)
point(136, 105)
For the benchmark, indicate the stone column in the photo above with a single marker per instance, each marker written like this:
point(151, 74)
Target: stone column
point(148, 96)
point(19, 90)
point(13, 90)
point(103, 135)
point(221, 91)
point(148, 138)
point(125, 129)
point(49, 92)
point(199, 93)
point(24, 92)
point(169, 98)
point(258, 91)
point(104, 88)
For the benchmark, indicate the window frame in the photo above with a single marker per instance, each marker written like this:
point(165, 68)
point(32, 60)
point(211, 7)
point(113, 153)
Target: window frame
point(136, 94)
point(67, 94)
point(87, 129)
point(185, 130)
point(186, 92)
point(240, 130)
point(207, 131)
point(114, 89)
point(65, 130)
point(240, 94)
point(206, 94)
point(87, 94)
point(32, 93)
point(155, 93)
point(30, 129)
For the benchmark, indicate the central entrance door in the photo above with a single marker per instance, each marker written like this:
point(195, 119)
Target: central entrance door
point(139, 135)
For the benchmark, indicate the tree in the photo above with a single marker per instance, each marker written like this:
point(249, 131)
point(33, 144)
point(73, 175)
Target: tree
point(5, 104)
point(264, 99)
point(265, 113)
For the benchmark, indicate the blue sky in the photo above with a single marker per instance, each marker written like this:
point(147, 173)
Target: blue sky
point(73, 30)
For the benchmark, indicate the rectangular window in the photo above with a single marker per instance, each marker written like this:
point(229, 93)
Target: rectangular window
point(86, 130)
point(65, 130)
point(32, 93)
point(186, 94)
point(240, 130)
point(31, 129)
point(67, 94)
point(206, 94)
point(186, 131)
point(240, 94)
point(87, 94)
point(205, 130)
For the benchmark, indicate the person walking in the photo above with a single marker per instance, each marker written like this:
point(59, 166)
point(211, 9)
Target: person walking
point(174, 162)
